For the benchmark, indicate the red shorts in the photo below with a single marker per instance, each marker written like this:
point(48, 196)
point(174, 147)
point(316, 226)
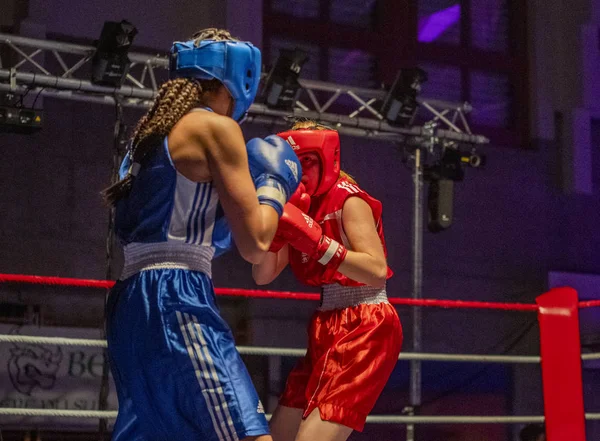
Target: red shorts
point(351, 354)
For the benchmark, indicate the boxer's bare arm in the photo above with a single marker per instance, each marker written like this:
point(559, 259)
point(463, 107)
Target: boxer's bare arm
point(271, 266)
point(215, 150)
point(366, 263)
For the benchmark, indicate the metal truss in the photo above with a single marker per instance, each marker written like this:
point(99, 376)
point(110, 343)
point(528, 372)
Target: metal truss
point(62, 70)
point(58, 69)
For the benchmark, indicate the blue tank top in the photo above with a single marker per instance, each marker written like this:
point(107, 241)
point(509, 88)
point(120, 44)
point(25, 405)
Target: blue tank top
point(165, 206)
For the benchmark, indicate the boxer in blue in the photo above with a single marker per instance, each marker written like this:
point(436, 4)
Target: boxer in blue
point(187, 185)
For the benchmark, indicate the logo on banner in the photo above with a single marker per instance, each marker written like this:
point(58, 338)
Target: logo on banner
point(33, 366)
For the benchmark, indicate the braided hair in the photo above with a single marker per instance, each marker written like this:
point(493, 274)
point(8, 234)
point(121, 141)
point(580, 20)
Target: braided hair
point(175, 98)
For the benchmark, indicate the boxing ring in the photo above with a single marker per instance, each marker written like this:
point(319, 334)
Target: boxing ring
point(56, 70)
point(560, 356)
point(53, 69)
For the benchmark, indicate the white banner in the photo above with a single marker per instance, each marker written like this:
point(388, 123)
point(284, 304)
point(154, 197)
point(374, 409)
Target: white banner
point(44, 376)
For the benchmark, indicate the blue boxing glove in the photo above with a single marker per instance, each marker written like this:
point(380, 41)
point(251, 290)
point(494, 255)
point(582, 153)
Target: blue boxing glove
point(275, 169)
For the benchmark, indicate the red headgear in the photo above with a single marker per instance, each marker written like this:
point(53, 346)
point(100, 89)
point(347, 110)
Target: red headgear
point(326, 144)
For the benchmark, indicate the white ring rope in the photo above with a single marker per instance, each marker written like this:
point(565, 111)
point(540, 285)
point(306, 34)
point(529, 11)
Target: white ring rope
point(290, 352)
point(53, 341)
point(257, 350)
point(591, 356)
point(453, 419)
point(58, 413)
point(248, 350)
point(373, 419)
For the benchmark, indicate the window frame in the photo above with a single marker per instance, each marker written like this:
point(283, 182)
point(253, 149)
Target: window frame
point(408, 52)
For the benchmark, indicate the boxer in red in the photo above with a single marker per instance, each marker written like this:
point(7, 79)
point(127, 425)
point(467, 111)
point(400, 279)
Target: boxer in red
point(332, 237)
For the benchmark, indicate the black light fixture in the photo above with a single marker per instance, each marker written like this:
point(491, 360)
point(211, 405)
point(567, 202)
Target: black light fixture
point(400, 104)
point(441, 177)
point(440, 199)
point(20, 119)
point(110, 63)
point(281, 89)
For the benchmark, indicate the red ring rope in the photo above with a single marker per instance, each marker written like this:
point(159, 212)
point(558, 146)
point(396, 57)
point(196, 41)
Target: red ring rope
point(61, 281)
point(266, 294)
point(589, 304)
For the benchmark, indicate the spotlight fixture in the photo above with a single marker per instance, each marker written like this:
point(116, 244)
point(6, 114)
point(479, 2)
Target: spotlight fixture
point(20, 119)
point(110, 63)
point(282, 88)
point(400, 104)
point(441, 177)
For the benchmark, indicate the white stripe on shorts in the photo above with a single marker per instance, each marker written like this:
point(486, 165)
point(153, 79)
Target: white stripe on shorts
point(203, 378)
point(222, 407)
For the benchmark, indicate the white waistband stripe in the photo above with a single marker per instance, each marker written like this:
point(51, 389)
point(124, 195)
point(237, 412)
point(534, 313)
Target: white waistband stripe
point(166, 255)
point(336, 296)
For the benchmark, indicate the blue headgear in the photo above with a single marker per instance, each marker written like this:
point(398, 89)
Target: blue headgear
point(236, 64)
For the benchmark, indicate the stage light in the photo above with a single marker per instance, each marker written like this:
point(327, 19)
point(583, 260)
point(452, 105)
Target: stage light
point(20, 120)
point(282, 88)
point(400, 104)
point(110, 63)
point(441, 178)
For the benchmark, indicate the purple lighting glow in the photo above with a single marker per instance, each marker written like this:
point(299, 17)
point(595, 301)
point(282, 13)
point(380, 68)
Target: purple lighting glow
point(434, 25)
point(352, 58)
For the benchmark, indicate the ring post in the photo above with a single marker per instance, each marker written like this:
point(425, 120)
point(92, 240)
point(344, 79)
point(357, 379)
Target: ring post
point(561, 365)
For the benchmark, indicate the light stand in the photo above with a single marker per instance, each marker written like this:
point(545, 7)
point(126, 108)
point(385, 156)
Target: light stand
point(119, 140)
point(429, 144)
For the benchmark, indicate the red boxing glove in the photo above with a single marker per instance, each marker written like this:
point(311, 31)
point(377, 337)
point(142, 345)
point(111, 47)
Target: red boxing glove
point(300, 199)
point(304, 234)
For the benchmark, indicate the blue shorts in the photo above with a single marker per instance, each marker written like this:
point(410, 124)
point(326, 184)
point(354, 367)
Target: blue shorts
point(174, 362)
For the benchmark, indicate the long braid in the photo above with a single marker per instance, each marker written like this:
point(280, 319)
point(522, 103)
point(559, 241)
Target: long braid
point(174, 99)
